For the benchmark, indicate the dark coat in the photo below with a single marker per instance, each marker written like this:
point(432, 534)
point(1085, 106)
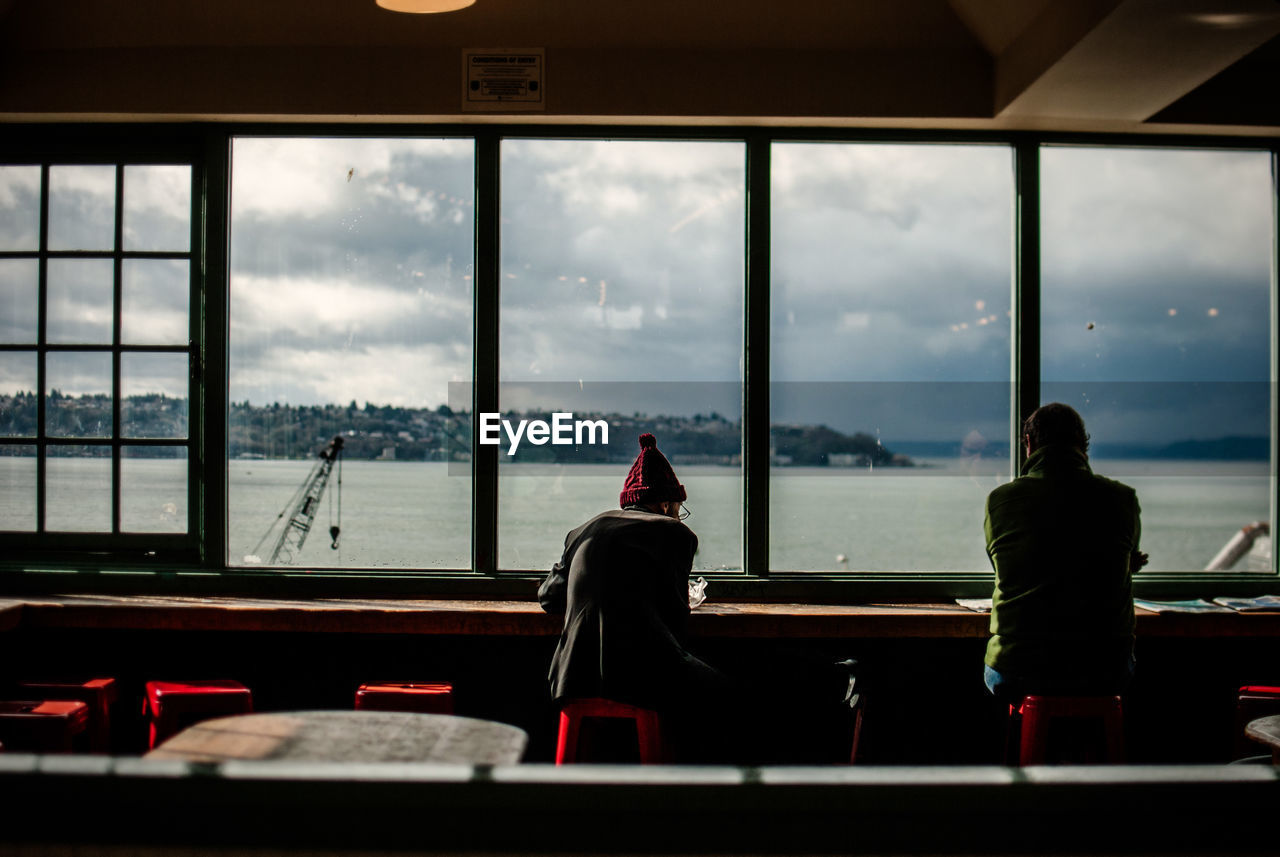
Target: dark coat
point(1061, 540)
point(623, 587)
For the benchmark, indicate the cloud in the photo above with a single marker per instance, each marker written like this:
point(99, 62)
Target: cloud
point(390, 374)
point(19, 208)
point(157, 207)
point(624, 261)
point(154, 373)
point(1143, 244)
point(17, 372)
point(82, 207)
point(18, 281)
point(78, 373)
point(318, 308)
point(80, 302)
point(155, 302)
point(301, 177)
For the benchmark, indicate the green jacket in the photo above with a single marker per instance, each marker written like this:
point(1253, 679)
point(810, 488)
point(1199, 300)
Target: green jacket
point(1060, 540)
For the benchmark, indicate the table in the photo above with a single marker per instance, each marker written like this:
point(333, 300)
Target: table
point(347, 736)
point(1266, 730)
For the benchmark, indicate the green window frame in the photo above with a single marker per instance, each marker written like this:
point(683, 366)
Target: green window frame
point(197, 558)
point(125, 539)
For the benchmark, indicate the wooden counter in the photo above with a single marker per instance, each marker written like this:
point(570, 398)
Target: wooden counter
point(525, 618)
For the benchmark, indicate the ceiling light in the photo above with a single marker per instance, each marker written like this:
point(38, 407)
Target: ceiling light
point(1227, 20)
point(424, 6)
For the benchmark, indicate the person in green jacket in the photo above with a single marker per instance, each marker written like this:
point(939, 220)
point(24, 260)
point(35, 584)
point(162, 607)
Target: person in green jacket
point(1064, 544)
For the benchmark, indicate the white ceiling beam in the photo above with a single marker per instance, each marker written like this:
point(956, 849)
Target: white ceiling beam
point(1124, 60)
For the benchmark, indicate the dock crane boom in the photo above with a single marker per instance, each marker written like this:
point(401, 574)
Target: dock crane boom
point(305, 503)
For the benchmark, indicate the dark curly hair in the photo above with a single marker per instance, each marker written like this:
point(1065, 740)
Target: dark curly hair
point(1058, 424)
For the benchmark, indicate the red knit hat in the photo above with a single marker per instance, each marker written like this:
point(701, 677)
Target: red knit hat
point(651, 479)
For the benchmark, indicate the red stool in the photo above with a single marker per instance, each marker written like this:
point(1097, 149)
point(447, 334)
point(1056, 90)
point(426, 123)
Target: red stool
point(425, 697)
point(42, 726)
point(97, 693)
point(1039, 712)
point(648, 727)
point(174, 705)
point(1252, 702)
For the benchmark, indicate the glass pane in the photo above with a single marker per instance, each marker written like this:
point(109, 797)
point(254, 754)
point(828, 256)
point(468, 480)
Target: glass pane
point(153, 395)
point(622, 300)
point(18, 394)
point(155, 302)
point(78, 489)
point(19, 208)
point(153, 489)
point(81, 298)
point(79, 399)
point(17, 488)
point(1156, 312)
point(350, 315)
point(157, 208)
point(19, 279)
point(82, 208)
point(890, 358)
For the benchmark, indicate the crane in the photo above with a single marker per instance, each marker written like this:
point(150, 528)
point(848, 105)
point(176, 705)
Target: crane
point(304, 504)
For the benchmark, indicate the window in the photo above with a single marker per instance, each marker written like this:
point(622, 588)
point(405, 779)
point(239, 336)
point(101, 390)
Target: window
point(891, 311)
point(833, 337)
point(351, 314)
point(96, 353)
point(1156, 327)
point(622, 299)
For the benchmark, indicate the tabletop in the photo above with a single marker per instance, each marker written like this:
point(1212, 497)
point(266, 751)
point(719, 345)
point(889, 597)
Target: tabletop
point(1266, 730)
point(347, 736)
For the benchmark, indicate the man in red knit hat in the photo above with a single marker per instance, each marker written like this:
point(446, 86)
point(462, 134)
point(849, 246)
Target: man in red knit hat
point(623, 587)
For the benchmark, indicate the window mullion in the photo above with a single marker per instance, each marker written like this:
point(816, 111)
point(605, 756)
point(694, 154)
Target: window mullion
point(208, 336)
point(117, 302)
point(1026, 292)
point(755, 403)
point(42, 305)
point(484, 473)
point(1275, 348)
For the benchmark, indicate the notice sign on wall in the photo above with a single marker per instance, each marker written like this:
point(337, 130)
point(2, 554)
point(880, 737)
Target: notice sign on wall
point(502, 80)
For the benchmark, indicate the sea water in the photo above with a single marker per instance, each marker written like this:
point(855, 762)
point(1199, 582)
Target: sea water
point(926, 518)
point(398, 514)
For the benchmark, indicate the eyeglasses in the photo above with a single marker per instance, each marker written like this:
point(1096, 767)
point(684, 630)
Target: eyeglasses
point(685, 511)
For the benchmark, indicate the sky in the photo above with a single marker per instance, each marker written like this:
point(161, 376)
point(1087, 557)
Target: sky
point(622, 270)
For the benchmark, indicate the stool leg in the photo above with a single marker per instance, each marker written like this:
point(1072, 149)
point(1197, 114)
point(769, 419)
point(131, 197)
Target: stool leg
point(1035, 737)
point(649, 735)
point(1115, 736)
point(857, 737)
point(567, 741)
point(1013, 737)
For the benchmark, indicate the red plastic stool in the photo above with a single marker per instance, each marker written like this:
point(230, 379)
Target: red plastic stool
point(174, 705)
point(42, 726)
point(97, 693)
point(1039, 712)
point(1252, 702)
point(424, 697)
point(647, 722)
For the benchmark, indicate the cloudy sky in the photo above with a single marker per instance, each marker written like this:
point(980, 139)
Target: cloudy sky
point(622, 262)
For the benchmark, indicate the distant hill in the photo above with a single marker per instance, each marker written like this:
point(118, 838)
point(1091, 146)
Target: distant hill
point(1233, 448)
point(440, 434)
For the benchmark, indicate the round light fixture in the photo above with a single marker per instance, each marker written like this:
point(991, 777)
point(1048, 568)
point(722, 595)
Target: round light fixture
point(424, 7)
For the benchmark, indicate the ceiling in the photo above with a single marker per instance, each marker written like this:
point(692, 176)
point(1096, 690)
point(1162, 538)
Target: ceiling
point(1075, 64)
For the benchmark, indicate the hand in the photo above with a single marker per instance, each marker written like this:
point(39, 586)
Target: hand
point(1137, 560)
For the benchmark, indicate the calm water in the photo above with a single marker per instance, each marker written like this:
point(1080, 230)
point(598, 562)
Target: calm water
point(399, 514)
